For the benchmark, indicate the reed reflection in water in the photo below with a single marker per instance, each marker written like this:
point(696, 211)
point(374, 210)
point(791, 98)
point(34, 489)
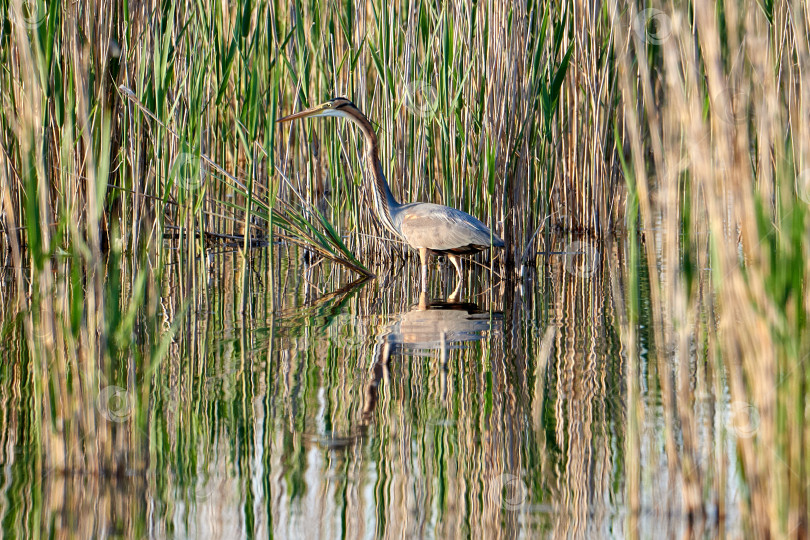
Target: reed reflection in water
point(372, 411)
point(425, 329)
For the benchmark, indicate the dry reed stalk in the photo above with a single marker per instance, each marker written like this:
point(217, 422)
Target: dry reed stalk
point(719, 97)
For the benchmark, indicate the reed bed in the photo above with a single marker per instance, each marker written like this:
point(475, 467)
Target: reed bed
point(138, 142)
point(714, 127)
point(140, 139)
point(243, 409)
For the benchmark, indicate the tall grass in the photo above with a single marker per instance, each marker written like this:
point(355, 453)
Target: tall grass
point(245, 413)
point(683, 127)
point(140, 139)
point(716, 124)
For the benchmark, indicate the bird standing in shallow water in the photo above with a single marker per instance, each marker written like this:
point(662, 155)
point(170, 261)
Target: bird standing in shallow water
point(424, 226)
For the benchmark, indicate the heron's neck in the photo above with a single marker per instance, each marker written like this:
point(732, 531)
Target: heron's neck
point(384, 201)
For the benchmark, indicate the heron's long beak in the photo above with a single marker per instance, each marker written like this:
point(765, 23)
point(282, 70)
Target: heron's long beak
point(314, 111)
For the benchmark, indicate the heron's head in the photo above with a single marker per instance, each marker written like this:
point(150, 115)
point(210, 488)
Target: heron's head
point(339, 107)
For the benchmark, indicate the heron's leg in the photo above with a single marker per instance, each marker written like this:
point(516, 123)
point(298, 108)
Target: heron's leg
point(423, 303)
point(423, 256)
point(456, 260)
point(455, 296)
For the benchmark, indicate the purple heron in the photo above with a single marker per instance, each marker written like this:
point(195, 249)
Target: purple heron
point(428, 228)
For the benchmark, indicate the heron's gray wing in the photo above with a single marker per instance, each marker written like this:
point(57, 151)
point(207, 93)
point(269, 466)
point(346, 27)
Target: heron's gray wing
point(441, 228)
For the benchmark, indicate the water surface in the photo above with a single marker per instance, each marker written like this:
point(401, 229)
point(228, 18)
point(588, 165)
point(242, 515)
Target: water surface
point(330, 409)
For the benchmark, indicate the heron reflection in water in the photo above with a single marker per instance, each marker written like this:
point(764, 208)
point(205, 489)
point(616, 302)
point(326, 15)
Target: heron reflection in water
point(428, 228)
point(425, 329)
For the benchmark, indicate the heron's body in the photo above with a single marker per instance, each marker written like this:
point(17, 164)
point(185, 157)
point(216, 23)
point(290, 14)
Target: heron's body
point(442, 229)
point(426, 227)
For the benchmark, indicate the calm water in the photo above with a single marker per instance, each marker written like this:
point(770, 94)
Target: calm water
point(365, 411)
